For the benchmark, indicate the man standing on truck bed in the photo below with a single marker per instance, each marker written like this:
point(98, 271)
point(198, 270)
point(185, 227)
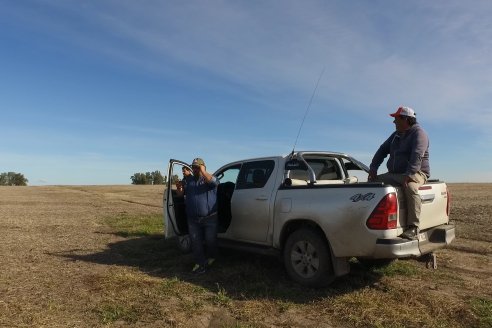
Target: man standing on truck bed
point(408, 164)
point(200, 189)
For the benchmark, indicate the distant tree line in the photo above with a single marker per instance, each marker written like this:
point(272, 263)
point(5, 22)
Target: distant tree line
point(12, 179)
point(148, 178)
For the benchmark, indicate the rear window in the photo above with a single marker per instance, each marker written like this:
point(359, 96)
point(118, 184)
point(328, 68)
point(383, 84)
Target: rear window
point(324, 169)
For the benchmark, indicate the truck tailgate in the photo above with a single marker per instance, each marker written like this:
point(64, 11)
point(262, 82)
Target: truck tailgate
point(434, 197)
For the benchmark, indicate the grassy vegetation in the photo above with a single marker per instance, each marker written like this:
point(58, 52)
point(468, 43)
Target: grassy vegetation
point(483, 310)
point(401, 268)
point(130, 226)
point(111, 313)
point(252, 289)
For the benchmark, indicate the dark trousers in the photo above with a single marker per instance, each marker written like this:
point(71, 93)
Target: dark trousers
point(203, 231)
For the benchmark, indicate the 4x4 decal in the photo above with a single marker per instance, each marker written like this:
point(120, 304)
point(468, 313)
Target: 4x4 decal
point(358, 197)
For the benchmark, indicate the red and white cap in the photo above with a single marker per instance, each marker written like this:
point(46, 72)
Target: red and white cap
point(404, 111)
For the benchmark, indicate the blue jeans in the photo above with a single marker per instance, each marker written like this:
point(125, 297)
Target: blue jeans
point(203, 229)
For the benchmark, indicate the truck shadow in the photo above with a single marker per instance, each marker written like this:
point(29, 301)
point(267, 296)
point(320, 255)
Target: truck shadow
point(241, 275)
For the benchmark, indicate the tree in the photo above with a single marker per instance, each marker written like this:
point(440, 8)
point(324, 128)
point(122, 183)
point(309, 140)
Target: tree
point(148, 178)
point(157, 178)
point(13, 179)
point(138, 179)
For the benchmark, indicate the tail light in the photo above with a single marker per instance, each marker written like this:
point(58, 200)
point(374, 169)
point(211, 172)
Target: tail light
point(385, 215)
point(448, 201)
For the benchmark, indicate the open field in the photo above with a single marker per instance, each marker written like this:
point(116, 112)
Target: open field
point(91, 256)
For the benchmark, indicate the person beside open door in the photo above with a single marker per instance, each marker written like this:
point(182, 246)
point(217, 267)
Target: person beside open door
point(200, 189)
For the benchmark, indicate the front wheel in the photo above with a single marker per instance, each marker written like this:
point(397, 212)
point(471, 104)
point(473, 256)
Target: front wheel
point(307, 258)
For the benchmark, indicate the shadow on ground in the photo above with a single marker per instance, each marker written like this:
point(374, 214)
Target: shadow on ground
point(241, 275)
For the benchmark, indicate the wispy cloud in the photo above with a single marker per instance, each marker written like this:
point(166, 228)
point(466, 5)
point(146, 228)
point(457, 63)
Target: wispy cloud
point(432, 53)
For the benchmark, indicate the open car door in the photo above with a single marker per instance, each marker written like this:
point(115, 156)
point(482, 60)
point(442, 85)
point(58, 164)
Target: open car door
point(173, 205)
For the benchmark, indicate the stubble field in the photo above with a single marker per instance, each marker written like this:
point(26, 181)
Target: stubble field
point(92, 256)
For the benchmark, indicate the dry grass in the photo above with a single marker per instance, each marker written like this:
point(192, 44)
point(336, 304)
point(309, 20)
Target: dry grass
point(92, 256)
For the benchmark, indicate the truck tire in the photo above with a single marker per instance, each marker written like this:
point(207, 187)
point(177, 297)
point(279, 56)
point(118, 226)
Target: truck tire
point(183, 243)
point(307, 258)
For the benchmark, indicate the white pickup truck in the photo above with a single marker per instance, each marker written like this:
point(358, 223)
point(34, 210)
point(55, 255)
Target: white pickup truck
point(310, 208)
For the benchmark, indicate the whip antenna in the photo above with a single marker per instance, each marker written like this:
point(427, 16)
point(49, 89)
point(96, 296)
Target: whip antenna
point(307, 109)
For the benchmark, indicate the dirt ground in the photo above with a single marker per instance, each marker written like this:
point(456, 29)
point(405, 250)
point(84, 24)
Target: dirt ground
point(38, 226)
point(41, 285)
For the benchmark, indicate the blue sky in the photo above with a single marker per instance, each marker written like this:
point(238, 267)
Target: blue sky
point(92, 92)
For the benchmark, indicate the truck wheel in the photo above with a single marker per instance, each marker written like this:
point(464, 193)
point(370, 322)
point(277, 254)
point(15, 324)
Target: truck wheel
point(184, 243)
point(307, 258)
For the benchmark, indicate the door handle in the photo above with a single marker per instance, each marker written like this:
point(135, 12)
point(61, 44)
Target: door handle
point(262, 198)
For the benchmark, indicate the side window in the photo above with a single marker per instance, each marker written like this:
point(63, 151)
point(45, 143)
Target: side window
point(255, 174)
point(229, 174)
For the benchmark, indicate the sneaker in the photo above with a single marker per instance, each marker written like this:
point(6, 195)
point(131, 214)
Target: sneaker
point(198, 269)
point(410, 233)
point(210, 261)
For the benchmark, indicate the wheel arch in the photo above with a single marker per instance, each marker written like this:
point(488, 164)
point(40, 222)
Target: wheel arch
point(297, 224)
point(340, 266)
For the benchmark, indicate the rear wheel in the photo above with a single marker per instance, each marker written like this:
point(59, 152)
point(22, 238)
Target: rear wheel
point(307, 258)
